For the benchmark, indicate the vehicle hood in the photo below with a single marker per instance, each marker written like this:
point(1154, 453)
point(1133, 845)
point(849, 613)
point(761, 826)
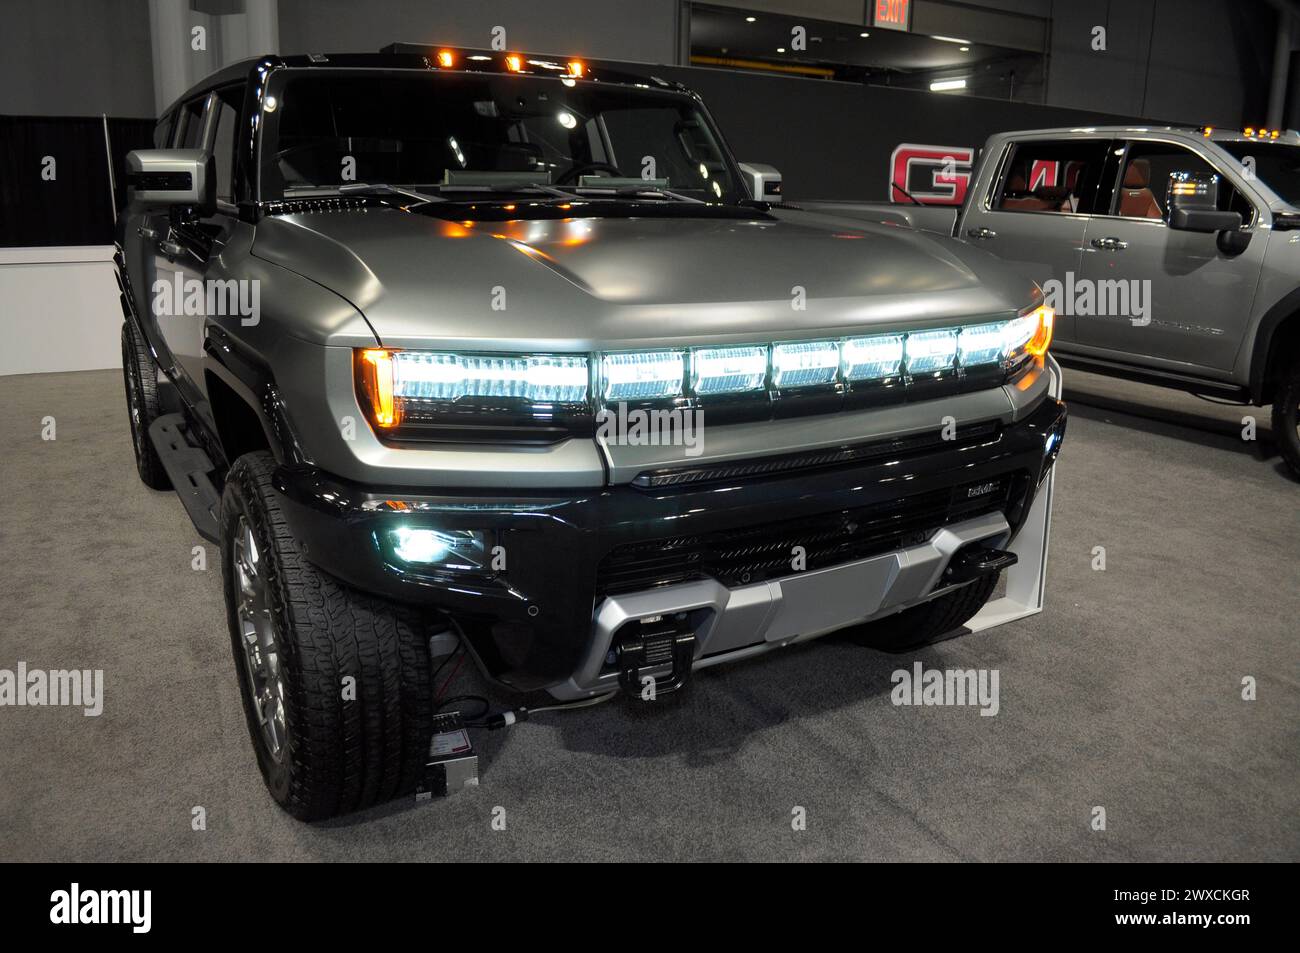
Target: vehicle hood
point(593, 283)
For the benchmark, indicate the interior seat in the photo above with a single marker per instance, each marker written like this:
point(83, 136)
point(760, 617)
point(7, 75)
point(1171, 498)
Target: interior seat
point(1135, 198)
point(1017, 196)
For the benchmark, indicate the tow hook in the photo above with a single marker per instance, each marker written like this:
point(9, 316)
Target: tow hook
point(651, 643)
point(974, 561)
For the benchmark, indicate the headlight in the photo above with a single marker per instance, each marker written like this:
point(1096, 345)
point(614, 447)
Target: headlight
point(437, 395)
point(805, 365)
point(1030, 334)
point(873, 358)
point(929, 352)
point(728, 370)
point(982, 344)
point(427, 376)
point(655, 375)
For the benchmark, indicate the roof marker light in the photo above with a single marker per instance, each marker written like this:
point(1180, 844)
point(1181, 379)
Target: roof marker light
point(446, 59)
point(577, 68)
point(514, 63)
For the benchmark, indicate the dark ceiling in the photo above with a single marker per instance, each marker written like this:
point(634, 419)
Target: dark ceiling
point(722, 32)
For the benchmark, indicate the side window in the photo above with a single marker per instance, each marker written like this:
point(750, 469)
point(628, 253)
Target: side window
point(190, 133)
point(1144, 184)
point(1058, 176)
point(223, 143)
point(162, 132)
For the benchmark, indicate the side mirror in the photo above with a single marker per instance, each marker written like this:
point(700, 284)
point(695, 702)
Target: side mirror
point(763, 182)
point(1193, 207)
point(1203, 220)
point(171, 178)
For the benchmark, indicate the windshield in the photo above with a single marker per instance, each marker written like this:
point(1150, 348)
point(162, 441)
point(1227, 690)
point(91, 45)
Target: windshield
point(1277, 166)
point(467, 132)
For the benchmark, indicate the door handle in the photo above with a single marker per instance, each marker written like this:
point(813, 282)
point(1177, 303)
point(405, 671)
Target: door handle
point(981, 232)
point(1110, 244)
point(147, 233)
point(171, 249)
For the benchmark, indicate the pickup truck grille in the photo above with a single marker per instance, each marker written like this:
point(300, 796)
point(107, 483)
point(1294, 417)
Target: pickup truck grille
point(753, 553)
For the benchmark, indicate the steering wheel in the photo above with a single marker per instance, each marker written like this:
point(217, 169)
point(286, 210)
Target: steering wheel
point(573, 172)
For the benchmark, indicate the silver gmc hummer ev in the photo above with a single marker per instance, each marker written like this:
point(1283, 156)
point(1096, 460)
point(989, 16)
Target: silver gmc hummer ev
point(511, 347)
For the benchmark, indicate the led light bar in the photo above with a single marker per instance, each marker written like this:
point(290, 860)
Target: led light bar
point(873, 358)
point(981, 344)
point(805, 364)
point(655, 375)
point(927, 352)
point(424, 375)
point(401, 390)
point(728, 370)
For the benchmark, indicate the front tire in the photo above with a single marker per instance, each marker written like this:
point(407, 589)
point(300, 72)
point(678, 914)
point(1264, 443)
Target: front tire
point(923, 624)
point(1286, 418)
point(335, 683)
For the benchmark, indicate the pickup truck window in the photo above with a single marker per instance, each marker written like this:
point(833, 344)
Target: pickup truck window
point(413, 130)
point(1277, 166)
point(223, 142)
point(190, 131)
point(1144, 184)
point(1058, 176)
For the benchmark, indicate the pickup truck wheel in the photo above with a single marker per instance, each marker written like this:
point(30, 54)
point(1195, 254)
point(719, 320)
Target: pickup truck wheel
point(142, 406)
point(1286, 419)
point(922, 624)
point(335, 683)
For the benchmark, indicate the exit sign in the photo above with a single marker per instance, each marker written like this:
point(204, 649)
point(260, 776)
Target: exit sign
point(891, 14)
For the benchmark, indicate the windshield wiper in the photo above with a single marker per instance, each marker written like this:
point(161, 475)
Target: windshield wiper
point(382, 188)
point(633, 191)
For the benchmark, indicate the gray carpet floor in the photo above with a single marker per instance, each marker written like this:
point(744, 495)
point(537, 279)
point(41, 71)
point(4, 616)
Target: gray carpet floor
point(1125, 693)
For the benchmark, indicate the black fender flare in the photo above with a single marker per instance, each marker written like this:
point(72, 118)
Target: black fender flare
point(1262, 353)
point(251, 380)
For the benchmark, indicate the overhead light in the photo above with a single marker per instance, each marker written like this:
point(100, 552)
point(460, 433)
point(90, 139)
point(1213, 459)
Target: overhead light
point(948, 39)
point(943, 85)
point(567, 120)
point(964, 49)
point(750, 19)
point(864, 34)
point(780, 49)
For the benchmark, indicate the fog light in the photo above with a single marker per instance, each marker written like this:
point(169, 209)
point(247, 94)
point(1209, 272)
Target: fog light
point(459, 549)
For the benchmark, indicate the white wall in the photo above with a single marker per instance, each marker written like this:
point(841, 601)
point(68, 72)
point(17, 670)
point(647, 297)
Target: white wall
point(60, 310)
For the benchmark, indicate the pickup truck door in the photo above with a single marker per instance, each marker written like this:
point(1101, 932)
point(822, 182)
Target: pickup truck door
point(1189, 303)
point(1033, 211)
point(159, 259)
point(192, 249)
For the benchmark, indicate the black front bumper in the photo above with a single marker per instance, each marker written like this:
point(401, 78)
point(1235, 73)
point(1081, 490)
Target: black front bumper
point(530, 623)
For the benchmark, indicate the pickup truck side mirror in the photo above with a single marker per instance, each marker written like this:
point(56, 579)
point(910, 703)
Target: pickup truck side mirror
point(763, 182)
point(1193, 207)
point(171, 178)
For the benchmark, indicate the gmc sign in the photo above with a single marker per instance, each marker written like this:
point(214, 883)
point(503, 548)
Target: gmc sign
point(933, 175)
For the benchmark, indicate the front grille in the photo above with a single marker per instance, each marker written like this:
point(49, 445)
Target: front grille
point(752, 554)
point(896, 448)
